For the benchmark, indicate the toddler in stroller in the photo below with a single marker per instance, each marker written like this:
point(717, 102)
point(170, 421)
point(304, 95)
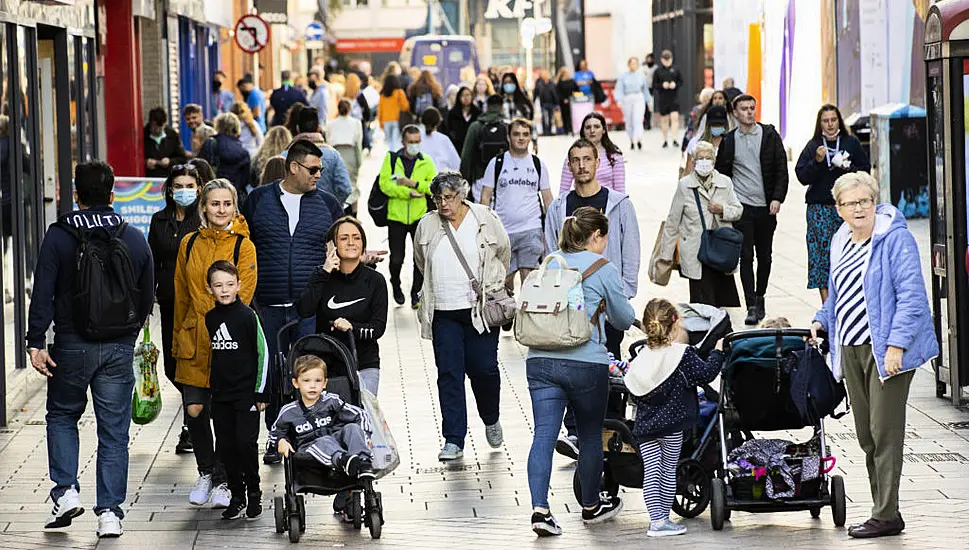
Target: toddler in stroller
point(324, 436)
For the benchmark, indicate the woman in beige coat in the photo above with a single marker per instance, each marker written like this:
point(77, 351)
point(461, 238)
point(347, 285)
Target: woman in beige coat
point(720, 207)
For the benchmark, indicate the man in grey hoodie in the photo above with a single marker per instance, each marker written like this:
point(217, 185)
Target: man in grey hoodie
point(622, 249)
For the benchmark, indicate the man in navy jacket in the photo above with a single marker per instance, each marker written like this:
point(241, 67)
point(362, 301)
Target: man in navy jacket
point(283, 98)
point(287, 222)
point(75, 363)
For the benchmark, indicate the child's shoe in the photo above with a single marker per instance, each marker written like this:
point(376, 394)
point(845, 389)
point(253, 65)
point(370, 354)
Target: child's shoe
point(365, 467)
point(254, 509)
point(665, 528)
point(235, 509)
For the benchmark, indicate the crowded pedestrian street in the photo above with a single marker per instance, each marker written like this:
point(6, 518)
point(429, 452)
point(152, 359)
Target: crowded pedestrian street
point(482, 500)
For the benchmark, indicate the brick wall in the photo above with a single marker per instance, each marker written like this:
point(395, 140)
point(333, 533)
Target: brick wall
point(153, 62)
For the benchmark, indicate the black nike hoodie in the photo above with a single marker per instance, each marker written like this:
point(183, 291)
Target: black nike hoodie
point(360, 297)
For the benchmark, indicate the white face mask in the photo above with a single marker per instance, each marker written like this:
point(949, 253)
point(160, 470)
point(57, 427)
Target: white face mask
point(413, 149)
point(703, 167)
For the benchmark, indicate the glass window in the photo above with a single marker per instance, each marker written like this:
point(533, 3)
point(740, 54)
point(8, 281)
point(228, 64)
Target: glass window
point(7, 169)
point(75, 89)
point(89, 96)
point(26, 66)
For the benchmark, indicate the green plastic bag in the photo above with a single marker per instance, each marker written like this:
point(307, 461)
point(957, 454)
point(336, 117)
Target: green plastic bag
point(146, 402)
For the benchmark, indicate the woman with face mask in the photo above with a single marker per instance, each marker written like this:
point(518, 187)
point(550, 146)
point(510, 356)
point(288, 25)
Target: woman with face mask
point(830, 154)
point(714, 125)
point(516, 104)
point(168, 226)
point(719, 206)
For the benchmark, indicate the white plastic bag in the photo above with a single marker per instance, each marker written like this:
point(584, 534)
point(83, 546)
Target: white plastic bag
point(385, 456)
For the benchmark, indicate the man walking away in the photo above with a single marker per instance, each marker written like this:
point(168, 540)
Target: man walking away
point(320, 98)
point(288, 221)
point(622, 248)
point(753, 156)
point(518, 183)
point(487, 137)
point(283, 98)
point(95, 327)
point(405, 177)
point(666, 82)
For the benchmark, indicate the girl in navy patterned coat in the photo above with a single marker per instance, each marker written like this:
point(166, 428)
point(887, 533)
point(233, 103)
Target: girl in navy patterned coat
point(663, 379)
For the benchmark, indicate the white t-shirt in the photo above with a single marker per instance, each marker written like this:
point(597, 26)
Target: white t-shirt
point(452, 288)
point(291, 204)
point(516, 201)
point(441, 150)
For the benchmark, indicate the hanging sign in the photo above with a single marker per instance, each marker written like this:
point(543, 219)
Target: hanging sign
point(251, 33)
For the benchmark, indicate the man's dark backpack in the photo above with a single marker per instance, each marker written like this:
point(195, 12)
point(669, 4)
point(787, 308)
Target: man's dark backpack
point(378, 201)
point(492, 140)
point(106, 289)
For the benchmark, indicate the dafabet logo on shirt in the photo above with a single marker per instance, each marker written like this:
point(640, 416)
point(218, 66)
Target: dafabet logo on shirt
point(223, 340)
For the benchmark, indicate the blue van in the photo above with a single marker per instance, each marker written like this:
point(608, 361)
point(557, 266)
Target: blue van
point(446, 57)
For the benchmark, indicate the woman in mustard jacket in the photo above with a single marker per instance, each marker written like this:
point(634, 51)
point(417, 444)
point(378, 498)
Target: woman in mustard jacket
point(223, 235)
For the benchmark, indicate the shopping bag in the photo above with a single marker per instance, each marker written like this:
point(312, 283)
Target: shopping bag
point(384, 448)
point(660, 271)
point(146, 400)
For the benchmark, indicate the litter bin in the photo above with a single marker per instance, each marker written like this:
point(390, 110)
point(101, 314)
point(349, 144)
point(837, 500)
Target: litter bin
point(899, 158)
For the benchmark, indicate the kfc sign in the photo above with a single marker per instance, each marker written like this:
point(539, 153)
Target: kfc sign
point(502, 8)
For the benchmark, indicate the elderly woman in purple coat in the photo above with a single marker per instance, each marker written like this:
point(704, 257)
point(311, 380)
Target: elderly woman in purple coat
point(878, 319)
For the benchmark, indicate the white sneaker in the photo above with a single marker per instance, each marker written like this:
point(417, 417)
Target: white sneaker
point(221, 496)
point(65, 509)
point(202, 491)
point(494, 435)
point(109, 525)
point(665, 528)
point(450, 451)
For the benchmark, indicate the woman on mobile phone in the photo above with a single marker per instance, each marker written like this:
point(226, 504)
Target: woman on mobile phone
point(347, 295)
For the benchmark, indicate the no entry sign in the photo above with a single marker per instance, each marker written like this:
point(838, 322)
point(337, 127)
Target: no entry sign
point(251, 33)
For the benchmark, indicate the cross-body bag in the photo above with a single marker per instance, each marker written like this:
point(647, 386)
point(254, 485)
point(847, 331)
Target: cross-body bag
point(720, 247)
point(498, 308)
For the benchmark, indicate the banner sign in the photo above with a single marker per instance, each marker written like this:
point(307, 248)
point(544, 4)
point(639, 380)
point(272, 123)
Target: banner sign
point(136, 199)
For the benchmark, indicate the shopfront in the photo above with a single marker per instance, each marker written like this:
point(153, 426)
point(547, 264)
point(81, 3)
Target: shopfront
point(48, 124)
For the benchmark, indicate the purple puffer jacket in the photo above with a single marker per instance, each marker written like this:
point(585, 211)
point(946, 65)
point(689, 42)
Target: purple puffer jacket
point(895, 297)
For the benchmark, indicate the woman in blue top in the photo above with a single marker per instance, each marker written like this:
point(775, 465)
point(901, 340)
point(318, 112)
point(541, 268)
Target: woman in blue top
point(632, 93)
point(584, 77)
point(576, 376)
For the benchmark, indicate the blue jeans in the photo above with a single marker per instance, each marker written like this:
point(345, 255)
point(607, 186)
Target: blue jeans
point(460, 350)
point(273, 320)
point(107, 369)
point(392, 135)
point(553, 384)
point(548, 118)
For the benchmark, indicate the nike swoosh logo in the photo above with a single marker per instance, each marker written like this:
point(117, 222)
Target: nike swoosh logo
point(333, 304)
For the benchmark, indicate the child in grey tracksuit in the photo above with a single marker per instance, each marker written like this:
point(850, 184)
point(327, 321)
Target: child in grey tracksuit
point(321, 424)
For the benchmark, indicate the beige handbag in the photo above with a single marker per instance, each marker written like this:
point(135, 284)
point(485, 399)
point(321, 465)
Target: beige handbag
point(660, 270)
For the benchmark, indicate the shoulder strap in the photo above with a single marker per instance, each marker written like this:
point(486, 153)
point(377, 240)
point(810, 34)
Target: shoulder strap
point(189, 245)
point(538, 169)
point(596, 266)
point(696, 196)
point(238, 249)
point(499, 163)
point(460, 255)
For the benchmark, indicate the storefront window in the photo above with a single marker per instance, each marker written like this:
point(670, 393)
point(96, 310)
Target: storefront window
point(89, 96)
point(75, 95)
point(26, 66)
point(6, 176)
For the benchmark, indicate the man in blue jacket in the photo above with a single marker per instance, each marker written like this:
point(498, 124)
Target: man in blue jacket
point(283, 98)
point(287, 222)
point(75, 363)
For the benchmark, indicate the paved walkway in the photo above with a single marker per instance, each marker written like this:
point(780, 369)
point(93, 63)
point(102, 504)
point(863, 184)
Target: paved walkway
point(482, 501)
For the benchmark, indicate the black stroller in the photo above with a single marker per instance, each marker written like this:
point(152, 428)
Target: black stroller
point(304, 474)
point(622, 464)
point(755, 396)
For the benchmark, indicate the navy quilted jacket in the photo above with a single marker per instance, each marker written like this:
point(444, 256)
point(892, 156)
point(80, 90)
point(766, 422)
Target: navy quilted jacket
point(289, 260)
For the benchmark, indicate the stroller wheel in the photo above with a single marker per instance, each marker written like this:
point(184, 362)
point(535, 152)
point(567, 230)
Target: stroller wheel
point(356, 510)
point(607, 485)
point(375, 514)
point(279, 514)
point(301, 507)
point(838, 506)
point(692, 489)
point(294, 531)
point(816, 512)
point(718, 504)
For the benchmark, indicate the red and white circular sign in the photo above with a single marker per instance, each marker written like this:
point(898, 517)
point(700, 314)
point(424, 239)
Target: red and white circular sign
point(251, 33)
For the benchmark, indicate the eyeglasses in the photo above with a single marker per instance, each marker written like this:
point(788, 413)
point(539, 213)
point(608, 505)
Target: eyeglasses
point(441, 199)
point(186, 167)
point(864, 204)
point(313, 170)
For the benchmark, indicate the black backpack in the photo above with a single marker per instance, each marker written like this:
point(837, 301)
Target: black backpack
point(378, 201)
point(105, 291)
point(492, 140)
point(814, 391)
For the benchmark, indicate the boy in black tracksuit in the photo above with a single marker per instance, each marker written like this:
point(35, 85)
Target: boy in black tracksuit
point(240, 366)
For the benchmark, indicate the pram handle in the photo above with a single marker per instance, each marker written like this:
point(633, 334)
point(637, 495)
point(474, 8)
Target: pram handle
point(762, 332)
point(285, 330)
point(352, 340)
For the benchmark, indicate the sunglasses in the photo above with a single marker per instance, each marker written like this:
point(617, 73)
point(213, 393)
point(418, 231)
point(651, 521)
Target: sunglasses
point(184, 167)
point(313, 170)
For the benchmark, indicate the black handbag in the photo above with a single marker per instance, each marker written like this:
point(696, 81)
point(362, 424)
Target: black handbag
point(720, 247)
point(814, 391)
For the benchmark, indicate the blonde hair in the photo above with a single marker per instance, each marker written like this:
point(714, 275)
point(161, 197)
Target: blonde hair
point(227, 124)
point(275, 142)
point(215, 185)
point(855, 179)
point(706, 95)
point(242, 111)
point(579, 228)
point(489, 87)
point(352, 86)
point(307, 363)
point(776, 322)
point(659, 322)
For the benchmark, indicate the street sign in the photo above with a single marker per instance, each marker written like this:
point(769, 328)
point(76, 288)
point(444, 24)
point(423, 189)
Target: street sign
point(314, 31)
point(251, 33)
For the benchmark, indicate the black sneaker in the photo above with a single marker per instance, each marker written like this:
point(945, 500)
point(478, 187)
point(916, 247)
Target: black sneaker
point(184, 445)
point(399, 296)
point(675, 143)
point(752, 314)
point(640, 145)
point(254, 509)
point(272, 455)
point(545, 525)
point(666, 144)
point(365, 467)
point(350, 464)
point(607, 509)
point(237, 507)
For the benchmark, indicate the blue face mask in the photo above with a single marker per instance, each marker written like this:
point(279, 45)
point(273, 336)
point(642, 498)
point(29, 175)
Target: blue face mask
point(185, 197)
point(716, 132)
point(509, 87)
